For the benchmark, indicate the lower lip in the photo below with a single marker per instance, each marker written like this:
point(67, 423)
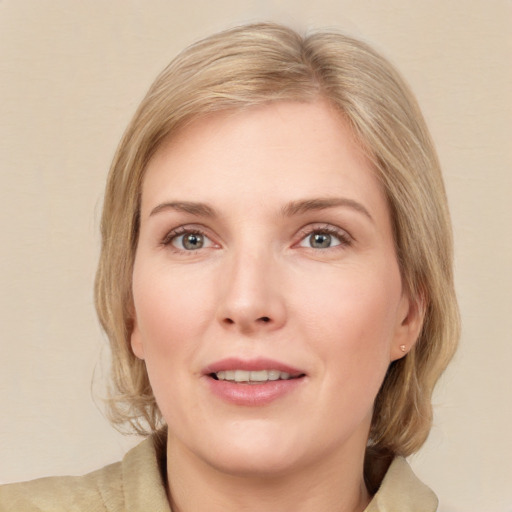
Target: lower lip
point(252, 394)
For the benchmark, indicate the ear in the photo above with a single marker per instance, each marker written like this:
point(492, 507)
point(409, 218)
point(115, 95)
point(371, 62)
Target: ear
point(410, 317)
point(136, 340)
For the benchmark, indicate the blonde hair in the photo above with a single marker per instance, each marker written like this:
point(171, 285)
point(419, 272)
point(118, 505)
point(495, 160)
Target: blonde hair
point(261, 63)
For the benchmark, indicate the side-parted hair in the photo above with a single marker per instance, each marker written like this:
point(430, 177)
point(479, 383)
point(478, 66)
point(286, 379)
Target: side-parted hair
point(254, 65)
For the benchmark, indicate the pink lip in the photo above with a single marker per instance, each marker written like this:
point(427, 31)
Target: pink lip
point(255, 365)
point(252, 394)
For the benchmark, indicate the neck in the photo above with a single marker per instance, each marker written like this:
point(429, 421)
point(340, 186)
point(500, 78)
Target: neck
point(328, 485)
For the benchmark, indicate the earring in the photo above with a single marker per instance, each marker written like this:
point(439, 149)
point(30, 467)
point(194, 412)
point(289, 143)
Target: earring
point(402, 348)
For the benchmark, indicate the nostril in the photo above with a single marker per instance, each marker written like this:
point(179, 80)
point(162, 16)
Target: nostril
point(261, 319)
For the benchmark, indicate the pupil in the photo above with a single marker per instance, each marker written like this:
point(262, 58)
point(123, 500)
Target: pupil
point(193, 241)
point(320, 240)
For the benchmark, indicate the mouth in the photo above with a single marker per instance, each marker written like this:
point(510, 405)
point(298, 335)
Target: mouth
point(258, 370)
point(253, 382)
point(254, 376)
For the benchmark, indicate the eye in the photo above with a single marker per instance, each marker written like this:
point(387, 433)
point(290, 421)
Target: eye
point(319, 240)
point(325, 238)
point(187, 240)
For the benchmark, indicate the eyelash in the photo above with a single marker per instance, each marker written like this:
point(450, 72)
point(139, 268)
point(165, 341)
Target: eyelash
point(344, 238)
point(180, 231)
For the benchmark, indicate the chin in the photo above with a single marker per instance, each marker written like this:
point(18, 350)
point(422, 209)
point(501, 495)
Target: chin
point(259, 452)
point(251, 463)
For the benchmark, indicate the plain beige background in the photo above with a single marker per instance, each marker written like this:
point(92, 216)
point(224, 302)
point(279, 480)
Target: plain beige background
point(72, 74)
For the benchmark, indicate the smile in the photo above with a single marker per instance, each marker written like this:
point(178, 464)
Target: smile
point(249, 377)
point(253, 382)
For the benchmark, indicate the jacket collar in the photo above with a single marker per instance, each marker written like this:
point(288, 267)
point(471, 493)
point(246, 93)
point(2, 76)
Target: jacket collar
point(144, 483)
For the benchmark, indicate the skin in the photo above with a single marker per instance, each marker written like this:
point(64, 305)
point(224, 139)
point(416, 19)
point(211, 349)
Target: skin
point(258, 288)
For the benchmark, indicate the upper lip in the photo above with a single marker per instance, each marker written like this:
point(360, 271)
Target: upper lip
point(234, 363)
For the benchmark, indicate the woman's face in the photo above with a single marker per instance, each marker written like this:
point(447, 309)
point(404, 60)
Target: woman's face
point(268, 298)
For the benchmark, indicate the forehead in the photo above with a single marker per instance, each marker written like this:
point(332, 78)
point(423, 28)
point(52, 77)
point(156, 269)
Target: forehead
point(275, 152)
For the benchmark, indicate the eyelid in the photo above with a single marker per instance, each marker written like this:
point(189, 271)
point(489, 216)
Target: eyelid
point(184, 229)
point(343, 235)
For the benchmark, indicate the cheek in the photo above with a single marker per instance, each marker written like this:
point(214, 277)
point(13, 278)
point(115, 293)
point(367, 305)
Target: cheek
point(168, 304)
point(170, 316)
point(352, 317)
point(171, 313)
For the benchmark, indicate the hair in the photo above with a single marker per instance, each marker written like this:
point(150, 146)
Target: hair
point(254, 65)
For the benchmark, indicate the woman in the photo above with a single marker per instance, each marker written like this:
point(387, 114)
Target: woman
point(276, 284)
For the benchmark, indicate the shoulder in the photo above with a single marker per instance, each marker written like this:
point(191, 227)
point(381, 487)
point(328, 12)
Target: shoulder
point(98, 490)
point(134, 482)
point(402, 491)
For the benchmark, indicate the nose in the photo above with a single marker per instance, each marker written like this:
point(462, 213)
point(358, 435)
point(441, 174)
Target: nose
point(252, 294)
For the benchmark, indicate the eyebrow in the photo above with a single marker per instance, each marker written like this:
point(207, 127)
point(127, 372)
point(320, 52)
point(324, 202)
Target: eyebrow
point(199, 209)
point(293, 208)
point(315, 204)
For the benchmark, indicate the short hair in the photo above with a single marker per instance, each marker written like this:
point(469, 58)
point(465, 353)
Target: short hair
point(254, 65)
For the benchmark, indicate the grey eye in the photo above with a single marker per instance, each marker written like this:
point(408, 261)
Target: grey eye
point(320, 240)
point(189, 241)
point(193, 241)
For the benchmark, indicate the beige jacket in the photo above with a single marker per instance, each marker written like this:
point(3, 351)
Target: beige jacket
point(136, 485)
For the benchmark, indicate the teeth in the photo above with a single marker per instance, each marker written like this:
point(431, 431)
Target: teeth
point(260, 376)
point(254, 376)
point(241, 376)
point(273, 374)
